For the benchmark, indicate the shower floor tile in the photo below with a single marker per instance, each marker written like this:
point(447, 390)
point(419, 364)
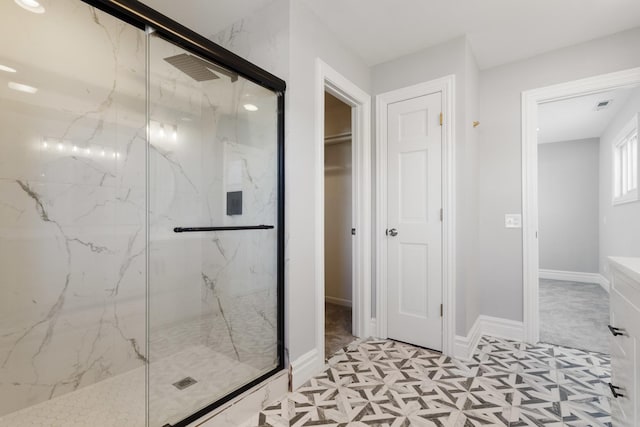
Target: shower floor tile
point(215, 373)
point(119, 401)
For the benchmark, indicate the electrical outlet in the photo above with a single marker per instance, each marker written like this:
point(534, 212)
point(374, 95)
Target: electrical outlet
point(513, 221)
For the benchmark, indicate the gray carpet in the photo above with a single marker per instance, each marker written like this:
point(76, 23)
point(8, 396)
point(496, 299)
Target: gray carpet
point(574, 315)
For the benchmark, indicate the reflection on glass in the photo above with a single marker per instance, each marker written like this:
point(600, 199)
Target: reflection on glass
point(213, 162)
point(83, 172)
point(72, 214)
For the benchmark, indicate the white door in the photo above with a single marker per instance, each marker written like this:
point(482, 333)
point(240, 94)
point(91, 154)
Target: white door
point(414, 229)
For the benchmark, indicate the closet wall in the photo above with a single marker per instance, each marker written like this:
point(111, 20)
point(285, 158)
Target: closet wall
point(338, 223)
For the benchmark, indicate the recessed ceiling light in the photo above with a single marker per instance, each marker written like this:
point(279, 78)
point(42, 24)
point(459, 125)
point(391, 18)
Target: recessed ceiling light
point(30, 5)
point(250, 107)
point(22, 88)
point(7, 69)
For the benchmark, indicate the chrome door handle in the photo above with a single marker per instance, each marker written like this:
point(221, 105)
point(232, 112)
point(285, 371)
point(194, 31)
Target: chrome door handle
point(393, 232)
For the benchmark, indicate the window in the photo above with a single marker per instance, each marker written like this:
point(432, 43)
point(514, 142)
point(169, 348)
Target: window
point(625, 164)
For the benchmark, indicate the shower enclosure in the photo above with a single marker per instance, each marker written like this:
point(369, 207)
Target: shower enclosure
point(141, 218)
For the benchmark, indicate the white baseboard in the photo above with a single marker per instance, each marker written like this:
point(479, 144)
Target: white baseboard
point(575, 276)
point(305, 367)
point(502, 328)
point(373, 329)
point(570, 276)
point(338, 301)
point(604, 283)
point(465, 346)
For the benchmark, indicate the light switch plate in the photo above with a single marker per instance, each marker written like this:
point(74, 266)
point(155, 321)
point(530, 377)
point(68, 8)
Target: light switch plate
point(513, 221)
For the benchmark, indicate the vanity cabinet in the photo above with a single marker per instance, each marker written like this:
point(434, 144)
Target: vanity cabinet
point(625, 339)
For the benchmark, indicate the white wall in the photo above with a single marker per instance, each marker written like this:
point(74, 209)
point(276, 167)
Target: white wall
point(452, 57)
point(568, 202)
point(500, 258)
point(619, 225)
point(310, 39)
point(468, 308)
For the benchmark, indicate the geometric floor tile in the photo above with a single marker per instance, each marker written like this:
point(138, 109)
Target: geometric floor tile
point(594, 411)
point(385, 383)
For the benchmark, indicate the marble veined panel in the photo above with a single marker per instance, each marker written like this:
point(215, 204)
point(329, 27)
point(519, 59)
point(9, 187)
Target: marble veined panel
point(72, 202)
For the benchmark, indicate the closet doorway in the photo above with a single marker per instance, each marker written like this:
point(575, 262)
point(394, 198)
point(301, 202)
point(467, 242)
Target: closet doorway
point(338, 224)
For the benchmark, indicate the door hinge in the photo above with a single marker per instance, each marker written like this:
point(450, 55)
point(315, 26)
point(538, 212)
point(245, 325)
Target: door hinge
point(441, 310)
point(353, 231)
point(441, 214)
point(441, 119)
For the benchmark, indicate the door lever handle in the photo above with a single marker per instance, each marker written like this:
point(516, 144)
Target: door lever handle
point(392, 232)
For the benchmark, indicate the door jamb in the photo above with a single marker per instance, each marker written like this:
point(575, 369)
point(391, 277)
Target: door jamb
point(328, 79)
point(446, 85)
point(530, 101)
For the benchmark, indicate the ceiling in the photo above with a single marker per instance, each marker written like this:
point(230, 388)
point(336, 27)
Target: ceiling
point(577, 118)
point(500, 31)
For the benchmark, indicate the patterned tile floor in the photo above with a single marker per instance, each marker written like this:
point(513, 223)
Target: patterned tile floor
point(389, 384)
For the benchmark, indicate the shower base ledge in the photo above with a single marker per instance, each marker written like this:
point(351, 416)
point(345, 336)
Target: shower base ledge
point(241, 409)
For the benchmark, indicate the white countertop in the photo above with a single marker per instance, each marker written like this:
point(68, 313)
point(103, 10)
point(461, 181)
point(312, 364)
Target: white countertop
point(627, 265)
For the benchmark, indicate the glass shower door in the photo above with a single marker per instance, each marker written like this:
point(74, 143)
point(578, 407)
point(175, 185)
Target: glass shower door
point(213, 236)
point(72, 217)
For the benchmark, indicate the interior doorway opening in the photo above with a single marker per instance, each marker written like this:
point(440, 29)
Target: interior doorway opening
point(581, 219)
point(573, 265)
point(338, 224)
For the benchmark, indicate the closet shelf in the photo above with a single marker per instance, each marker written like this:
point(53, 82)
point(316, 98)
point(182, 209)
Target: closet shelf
point(337, 139)
point(336, 168)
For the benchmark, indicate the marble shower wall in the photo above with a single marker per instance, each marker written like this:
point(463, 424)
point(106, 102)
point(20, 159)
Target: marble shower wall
point(263, 38)
point(72, 201)
point(72, 208)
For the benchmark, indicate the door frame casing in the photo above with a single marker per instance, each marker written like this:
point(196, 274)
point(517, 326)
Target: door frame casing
point(329, 80)
point(445, 85)
point(531, 99)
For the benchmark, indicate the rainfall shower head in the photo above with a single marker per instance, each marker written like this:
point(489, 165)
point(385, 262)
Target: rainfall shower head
point(192, 67)
point(198, 69)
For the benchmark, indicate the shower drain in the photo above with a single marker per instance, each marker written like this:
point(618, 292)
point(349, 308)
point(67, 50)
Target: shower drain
point(184, 383)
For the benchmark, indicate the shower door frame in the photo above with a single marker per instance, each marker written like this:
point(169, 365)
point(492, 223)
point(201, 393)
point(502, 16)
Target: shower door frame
point(145, 18)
